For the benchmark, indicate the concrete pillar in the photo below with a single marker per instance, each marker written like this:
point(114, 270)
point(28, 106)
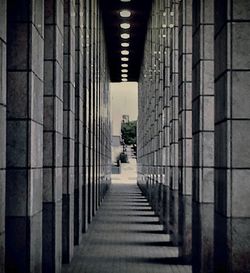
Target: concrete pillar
point(3, 57)
point(24, 175)
point(79, 108)
point(155, 108)
point(203, 135)
point(85, 120)
point(94, 105)
point(68, 131)
point(161, 103)
point(166, 123)
point(174, 70)
point(232, 127)
point(90, 108)
point(53, 136)
point(185, 129)
point(98, 54)
point(144, 154)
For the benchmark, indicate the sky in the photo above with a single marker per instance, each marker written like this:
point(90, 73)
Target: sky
point(124, 101)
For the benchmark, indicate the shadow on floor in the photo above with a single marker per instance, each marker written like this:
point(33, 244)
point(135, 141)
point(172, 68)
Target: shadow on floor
point(126, 237)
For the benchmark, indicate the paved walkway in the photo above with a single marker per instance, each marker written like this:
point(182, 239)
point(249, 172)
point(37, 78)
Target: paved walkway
point(125, 237)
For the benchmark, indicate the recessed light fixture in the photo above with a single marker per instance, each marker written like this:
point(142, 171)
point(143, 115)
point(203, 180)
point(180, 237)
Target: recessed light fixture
point(124, 75)
point(125, 36)
point(125, 44)
point(124, 80)
point(125, 0)
point(125, 52)
point(125, 13)
point(124, 59)
point(124, 70)
point(125, 25)
point(124, 65)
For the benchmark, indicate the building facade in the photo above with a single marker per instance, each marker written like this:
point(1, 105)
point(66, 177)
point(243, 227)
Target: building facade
point(193, 129)
point(193, 143)
point(55, 130)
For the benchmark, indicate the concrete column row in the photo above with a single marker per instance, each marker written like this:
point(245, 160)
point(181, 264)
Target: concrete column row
point(53, 135)
point(25, 123)
point(193, 120)
point(203, 134)
point(3, 101)
point(51, 78)
point(185, 129)
point(232, 145)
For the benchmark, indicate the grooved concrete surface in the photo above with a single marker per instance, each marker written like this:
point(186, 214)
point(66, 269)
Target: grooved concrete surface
point(125, 236)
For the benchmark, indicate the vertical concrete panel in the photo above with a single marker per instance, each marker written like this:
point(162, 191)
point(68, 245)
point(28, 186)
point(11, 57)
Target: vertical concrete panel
point(25, 35)
point(185, 129)
point(153, 120)
point(85, 120)
point(203, 133)
point(166, 124)
point(232, 126)
point(94, 98)
point(90, 112)
point(174, 127)
point(68, 131)
point(79, 107)
point(53, 136)
point(146, 108)
point(3, 57)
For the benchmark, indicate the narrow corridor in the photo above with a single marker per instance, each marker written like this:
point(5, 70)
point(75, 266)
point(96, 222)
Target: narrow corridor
point(125, 236)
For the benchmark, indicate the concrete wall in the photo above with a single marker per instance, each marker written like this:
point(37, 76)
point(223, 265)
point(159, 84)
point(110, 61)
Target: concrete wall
point(193, 146)
point(3, 18)
point(232, 146)
point(45, 80)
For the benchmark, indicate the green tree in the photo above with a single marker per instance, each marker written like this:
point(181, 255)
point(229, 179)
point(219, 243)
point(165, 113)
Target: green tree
point(128, 130)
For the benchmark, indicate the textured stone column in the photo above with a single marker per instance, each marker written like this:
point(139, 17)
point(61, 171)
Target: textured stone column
point(85, 188)
point(3, 57)
point(79, 107)
point(161, 111)
point(203, 135)
point(173, 219)
point(94, 98)
point(24, 136)
point(155, 108)
point(185, 129)
point(166, 124)
point(53, 136)
point(68, 131)
point(90, 108)
point(98, 54)
point(232, 128)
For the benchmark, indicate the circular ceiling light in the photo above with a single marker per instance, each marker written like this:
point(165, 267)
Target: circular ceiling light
point(124, 59)
point(125, 13)
point(124, 65)
point(124, 80)
point(125, 25)
point(125, 0)
point(125, 36)
point(124, 75)
point(125, 44)
point(124, 70)
point(125, 52)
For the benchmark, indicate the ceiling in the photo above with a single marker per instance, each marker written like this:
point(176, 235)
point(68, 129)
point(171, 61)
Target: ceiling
point(138, 19)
